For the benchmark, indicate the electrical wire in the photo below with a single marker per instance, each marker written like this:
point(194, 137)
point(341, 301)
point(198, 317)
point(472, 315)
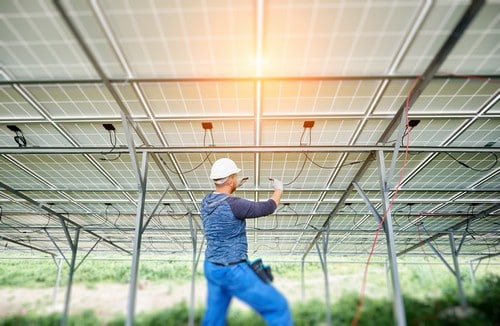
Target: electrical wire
point(355, 214)
point(19, 224)
point(332, 167)
point(113, 142)
point(277, 246)
point(207, 157)
point(170, 212)
point(273, 227)
point(393, 199)
point(298, 174)
point(116, 219)
point(308, 158)
point(473, 168)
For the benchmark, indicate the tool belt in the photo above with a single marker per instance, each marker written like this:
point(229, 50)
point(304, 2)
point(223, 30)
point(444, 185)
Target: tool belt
point(262, 271)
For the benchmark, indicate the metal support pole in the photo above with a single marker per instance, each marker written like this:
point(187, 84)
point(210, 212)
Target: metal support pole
point(458, 276)
point(369, 204)
point(196, 257)
point(440, 257)
point(302, 278)
point(398, 306)
point(474, 265)
point(153, 212)
point(387, 279)
point(58, 262)
point(134, 273)
point(472, 274)
point(322, 258)
point(74, 249)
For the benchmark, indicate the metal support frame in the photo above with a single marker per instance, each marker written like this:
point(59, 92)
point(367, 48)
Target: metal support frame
point(302, 280)
point(243, 79)
point(435, 64)
point(454, 254)
point(58, 263)
point(74, 249)
point(195, 261)
point(455, 227)
point(387, 268)
point(61, 217)
point(473, 269)
point(429, 74)
point(369, 204)
point(438, 254)
point(323, 254)
point(151, 215)
point(31, 247)
point(241, 149)
point(455, 270)
point(141, 174)
point(398, 306)
point(73, 245)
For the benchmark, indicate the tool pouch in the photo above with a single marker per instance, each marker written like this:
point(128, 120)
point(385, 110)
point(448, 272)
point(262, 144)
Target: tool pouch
point(262, 271)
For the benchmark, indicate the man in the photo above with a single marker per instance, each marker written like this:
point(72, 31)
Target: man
point(226, 269)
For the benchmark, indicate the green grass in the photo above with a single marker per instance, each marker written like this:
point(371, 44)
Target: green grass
point(484, 311)
point(430, 291)
point(38, 273)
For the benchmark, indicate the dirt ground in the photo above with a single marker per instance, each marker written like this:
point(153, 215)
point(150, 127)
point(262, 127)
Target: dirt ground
point(110, 300)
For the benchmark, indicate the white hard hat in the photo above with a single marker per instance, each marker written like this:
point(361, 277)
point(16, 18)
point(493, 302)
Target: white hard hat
point(223, 168)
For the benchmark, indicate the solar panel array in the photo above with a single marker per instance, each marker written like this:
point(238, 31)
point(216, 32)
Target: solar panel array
point(185, 83)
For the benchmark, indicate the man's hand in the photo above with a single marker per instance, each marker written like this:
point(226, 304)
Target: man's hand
point(242, 182)
point(277, 184)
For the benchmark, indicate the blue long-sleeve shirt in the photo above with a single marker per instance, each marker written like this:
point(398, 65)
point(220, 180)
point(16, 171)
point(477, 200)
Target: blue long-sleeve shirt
point(224, 223)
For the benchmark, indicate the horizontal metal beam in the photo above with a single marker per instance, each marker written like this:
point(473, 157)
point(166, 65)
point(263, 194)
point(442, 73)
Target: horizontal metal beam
point(242, 149)
point(249, 229)
point(236, 117)
point(122, 81)
point(31, 247)
point(286, 215)
point(486, 257)
point(352, 200)
point(59, 215)
point(457, 226)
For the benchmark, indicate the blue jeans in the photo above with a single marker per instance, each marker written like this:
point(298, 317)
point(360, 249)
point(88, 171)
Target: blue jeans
point(240, 281)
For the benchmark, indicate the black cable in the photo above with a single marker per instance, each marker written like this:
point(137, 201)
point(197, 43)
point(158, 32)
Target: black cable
point(19, 224)
point(355, 213)
point(406, 132)
point(106, 215)
point(331, 167)
point(20, 139)
point(307, 158)
point(113, 141)
point(298, 175)
point(473, 168)
point(207, 157)
point(187, 171)
point(297, 219)
point(302, 137)
point(296, 216)
point(470, 212)
point(274, 227)
point(171, 211)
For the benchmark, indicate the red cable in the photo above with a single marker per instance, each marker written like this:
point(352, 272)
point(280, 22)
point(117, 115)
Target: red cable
point(377, 232)
point(472, 77)
point(363, 285)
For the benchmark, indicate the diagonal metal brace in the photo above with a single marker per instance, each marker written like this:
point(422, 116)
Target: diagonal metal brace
point(369, 205)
